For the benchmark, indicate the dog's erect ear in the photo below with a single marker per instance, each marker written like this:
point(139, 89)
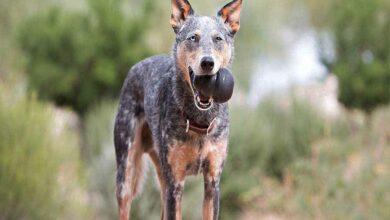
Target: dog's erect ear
point(230, 14)
point(181, 9)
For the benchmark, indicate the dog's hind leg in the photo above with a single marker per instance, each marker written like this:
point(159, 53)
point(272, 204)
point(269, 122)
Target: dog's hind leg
point(149, 148)
point(156, 161)
point(129, 151)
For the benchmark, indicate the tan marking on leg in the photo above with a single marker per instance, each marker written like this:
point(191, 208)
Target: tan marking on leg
point(208, 209)
point(216, 154)
point(178, 157)
point(178, 203)
point(178, 199)
point(124, 208)
point(156, 161)
point(133, 174)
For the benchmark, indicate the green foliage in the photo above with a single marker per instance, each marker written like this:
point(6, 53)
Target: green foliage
point(341, 178)
point(27, 162)
point(40, 176)
point(265, 141)
point(99, 127)
point(101, 165)
point(77, 58)
point(363, 52)
point(344, 179)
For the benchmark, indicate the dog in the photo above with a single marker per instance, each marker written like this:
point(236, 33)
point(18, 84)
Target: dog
point(162, 115)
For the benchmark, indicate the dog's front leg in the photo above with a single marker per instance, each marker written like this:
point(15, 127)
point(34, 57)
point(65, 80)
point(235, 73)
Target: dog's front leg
point(174, 169)
point(211, 198)
point(212, 173)
point(173, 198)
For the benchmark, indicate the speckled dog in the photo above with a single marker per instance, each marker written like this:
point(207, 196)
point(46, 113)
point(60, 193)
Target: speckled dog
point(161, 113)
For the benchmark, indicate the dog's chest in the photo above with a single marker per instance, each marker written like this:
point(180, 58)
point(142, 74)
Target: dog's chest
point(197, 163)
point(193, 158)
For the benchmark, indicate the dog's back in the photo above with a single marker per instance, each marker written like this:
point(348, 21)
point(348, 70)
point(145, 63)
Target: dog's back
point(146, 76)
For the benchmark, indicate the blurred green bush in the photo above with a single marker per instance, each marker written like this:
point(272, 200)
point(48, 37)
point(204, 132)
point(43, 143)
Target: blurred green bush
point(28, 162)
point(32, 161)
point(360, 30)
point(342, 177)
point(265, 141)
point(76, 58)
point(101, 165)
point(345, 179)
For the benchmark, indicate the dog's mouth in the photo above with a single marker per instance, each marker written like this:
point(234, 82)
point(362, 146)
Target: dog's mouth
point(202, 102)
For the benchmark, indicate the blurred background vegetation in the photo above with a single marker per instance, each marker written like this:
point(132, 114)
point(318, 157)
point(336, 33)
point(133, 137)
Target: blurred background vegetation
point(315, 146)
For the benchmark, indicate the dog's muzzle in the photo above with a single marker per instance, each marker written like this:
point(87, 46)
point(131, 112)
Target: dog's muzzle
point(202, 101)
point(208, 89)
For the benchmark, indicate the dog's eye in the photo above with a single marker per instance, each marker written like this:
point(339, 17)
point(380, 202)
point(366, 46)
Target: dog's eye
point(218, 39)
point(193, 38)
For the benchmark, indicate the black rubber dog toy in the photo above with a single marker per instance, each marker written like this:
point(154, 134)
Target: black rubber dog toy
point(219, 86)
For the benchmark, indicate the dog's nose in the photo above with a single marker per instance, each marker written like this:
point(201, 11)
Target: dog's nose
point(207, 64)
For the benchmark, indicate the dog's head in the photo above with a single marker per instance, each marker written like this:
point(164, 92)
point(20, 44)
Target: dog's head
point(204, 44)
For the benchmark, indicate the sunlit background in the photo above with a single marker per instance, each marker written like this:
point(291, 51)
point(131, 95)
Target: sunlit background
point(310, 115)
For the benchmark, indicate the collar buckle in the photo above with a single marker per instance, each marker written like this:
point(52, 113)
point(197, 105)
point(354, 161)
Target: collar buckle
point(199, 129)
point(211, 126)
point(188, 126)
